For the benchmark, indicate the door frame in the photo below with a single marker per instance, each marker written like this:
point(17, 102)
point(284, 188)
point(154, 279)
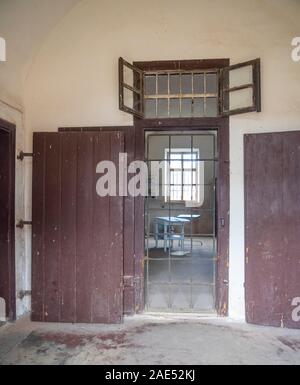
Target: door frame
point(10, 129)
point(221, 125)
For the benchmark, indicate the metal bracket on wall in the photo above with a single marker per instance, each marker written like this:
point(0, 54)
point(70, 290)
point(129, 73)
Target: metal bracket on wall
point(23, 155)
point(24, 293)
point(22, 224)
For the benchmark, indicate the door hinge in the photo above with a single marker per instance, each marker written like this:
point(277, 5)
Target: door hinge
point(23, 155)
point(21, 224)
point(24, 293)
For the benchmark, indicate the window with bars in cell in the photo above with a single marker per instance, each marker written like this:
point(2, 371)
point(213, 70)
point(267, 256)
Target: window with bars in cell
point(182, 176)
point(210, 93)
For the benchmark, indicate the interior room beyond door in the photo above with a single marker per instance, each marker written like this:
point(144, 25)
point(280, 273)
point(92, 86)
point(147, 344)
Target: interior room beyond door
point(181, 240)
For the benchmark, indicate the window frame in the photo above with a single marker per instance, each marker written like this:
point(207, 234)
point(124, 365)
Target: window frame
point(180, 96)
point(225, 89)
point(168, 184)
point(137, 88)
point(220, 65)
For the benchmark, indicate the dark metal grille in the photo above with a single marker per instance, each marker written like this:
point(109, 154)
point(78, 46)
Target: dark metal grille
point(181, 94)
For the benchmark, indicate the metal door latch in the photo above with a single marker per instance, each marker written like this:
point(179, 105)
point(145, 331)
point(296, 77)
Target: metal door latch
point(23, 155)
point(22, 224)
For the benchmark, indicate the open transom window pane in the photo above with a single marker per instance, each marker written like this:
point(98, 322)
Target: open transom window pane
point(131, 89)
point(195, 93)
point(181, 94)
point(240, 88)
point(238, 100)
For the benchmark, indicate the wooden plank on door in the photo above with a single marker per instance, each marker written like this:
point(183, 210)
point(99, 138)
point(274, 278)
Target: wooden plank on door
point(38, 228)
point(271, 227)
point(116, 235)
point(85, 212)
point(101, 229)
point(291, 223)
point(68, 227)
point(52, 234)
point(7, 219)
point(4, 218)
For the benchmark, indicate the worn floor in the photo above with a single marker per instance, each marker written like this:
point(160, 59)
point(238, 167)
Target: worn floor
point(148, 340)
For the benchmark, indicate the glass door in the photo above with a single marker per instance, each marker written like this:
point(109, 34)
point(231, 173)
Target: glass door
point(180, 222)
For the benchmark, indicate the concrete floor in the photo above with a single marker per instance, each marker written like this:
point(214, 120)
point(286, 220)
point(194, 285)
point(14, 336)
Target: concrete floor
point(148, 340)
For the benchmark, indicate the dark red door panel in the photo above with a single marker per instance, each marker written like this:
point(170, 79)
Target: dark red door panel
point(7, 220)
point(77, 261)
point(272, 228)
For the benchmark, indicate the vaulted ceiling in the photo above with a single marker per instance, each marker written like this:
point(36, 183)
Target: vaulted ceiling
point(25, 24)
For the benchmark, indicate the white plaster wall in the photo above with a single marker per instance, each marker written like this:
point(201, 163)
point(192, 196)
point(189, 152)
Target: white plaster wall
point(22, 256)
point(73, 80)
point(24, 24)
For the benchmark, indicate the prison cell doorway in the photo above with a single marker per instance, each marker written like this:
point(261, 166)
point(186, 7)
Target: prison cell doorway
point(180, 222)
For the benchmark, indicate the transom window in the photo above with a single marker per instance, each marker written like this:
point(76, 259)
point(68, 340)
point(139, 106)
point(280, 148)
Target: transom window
point(190, 93)
point(181, 94)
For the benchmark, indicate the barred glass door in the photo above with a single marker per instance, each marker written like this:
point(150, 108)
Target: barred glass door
point(180, 222)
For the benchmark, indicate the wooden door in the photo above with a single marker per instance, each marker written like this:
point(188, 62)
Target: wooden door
point(7, 220)
point(272, 203)
point(77, 260)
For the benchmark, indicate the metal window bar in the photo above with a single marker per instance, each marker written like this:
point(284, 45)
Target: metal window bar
point(180, 96)
point(183, 171)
